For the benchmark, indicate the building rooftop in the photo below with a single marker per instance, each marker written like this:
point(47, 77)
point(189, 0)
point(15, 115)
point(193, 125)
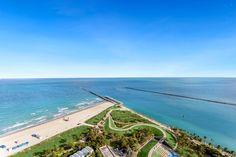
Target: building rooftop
point(83, 153)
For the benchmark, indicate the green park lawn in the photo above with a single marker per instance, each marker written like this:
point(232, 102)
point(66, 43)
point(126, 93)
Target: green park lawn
point(145, 150)
point(155, 131)
point(170, 139)
point(156, 154)
point(57, 141)
point(94, 120)
point(127, 117)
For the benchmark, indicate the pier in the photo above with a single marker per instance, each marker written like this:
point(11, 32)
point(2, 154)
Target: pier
point(183, 96)
point(105, 98)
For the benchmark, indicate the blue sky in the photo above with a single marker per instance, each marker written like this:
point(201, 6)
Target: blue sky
point(108, 38)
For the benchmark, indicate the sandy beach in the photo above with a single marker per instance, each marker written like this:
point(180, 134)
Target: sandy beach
point(48, 129)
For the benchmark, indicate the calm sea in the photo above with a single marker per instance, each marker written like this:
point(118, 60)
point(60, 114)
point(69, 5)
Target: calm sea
point(30, 101)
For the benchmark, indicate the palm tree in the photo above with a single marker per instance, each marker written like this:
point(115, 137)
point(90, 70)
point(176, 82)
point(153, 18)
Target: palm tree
point(62, 140)
point(75, 137)
point(226, 149)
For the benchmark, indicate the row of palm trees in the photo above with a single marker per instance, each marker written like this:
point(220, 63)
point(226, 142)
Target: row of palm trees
point(196, 144)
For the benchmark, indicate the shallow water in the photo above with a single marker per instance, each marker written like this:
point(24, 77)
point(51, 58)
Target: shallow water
point(25, 102)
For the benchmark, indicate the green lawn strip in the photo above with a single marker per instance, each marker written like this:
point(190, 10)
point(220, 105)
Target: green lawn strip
point(94, 120)
point(127, 117)
point(157, 132)
point(155, 129)
point(55, 141)
point(113, 125)
point(108, 130)
point(156, 154)
point(170, 139)
point(145, 150)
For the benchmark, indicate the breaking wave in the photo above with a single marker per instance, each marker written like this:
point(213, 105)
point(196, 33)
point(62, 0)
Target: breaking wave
point(43, 118)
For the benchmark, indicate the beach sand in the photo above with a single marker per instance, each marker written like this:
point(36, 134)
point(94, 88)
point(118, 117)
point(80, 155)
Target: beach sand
point(48, 129)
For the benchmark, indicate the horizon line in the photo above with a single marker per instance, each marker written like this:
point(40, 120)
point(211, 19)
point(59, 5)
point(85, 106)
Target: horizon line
point(113, 77)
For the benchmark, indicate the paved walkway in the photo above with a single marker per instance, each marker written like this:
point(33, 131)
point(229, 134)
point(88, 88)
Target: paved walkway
point(153, 149)
point(133, 126)
point(110, 120)
point(155, 125)
point(144, 145)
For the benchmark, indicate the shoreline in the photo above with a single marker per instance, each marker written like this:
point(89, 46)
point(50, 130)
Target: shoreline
point(82, 122)
point(49, 128)
point(172, 129)
point(51, 119)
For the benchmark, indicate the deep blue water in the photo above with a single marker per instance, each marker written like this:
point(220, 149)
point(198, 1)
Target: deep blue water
point(25, 102)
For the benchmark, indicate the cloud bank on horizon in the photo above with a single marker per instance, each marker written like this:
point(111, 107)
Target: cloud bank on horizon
point(105, 38)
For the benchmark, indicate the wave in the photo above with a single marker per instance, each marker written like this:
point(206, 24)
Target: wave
point(40, 118)
point(25, 124)
point(81, 103)
point(62, 109)
point(57, 114)
point(33, 114)
point(97, 100)
point(60, 112)
point(15, 126)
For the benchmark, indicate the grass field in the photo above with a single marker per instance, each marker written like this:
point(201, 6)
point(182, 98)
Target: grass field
point(108, 130)
point(156, 154)
point(124, 117)
point(113, 125)
point(56, 141)
point(94, 120)
point(127, 117)
point(145, 150)
point(155, 131)
point(170, 139)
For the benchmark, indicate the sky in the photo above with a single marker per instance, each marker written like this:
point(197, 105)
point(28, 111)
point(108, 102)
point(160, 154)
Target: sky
point(108, 38)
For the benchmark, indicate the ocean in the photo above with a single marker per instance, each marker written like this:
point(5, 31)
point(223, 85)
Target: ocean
point(26, 102)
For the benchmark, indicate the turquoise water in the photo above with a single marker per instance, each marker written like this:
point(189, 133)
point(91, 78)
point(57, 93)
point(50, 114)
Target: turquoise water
point(26, 102)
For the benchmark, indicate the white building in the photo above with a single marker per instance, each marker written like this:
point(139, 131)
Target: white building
point(84, 152)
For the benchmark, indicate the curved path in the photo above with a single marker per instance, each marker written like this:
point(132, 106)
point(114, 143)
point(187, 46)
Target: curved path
point(112, 126)
point(110, 120)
